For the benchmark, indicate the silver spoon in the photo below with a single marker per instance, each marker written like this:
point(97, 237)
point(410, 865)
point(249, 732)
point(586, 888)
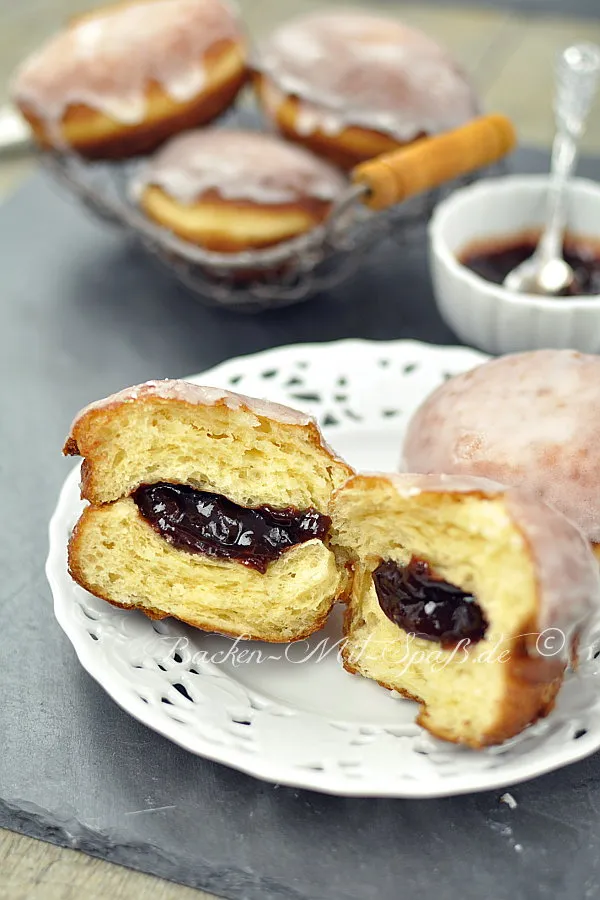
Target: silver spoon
point(546, 272)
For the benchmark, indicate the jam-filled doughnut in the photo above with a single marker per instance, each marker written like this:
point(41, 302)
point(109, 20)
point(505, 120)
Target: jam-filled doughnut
point(352, 85)
point(530, 419)
point(468, 597)
point(120, 80)
point(230, 190)
point(207, 506)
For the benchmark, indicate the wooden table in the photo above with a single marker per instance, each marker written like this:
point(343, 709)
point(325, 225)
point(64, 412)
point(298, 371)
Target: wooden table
point(35, 870)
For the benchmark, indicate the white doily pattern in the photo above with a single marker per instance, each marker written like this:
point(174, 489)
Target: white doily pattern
point(289, 713)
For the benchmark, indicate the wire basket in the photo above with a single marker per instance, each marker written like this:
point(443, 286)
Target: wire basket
point(254, 280)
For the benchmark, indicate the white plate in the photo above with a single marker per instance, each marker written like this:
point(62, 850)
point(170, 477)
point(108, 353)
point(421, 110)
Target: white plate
point(289, 713)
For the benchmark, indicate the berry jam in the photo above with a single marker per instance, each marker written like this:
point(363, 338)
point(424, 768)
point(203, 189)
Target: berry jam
point(201, 522)
point(426, 606)
point(495, 260)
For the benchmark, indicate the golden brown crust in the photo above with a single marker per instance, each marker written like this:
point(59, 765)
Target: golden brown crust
point(524, 701)
point(221, 233)
point(347, 149)
point(76, 572)
point(70, 448)
point(94, 135)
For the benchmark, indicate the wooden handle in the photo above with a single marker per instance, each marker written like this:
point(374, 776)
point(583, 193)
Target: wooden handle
point(429, 162)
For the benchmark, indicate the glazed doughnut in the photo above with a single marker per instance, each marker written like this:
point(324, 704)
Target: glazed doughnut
point(234, 190)
point(468, 597)
point(207, 506)
point(529, 419)
point(120, 80)
point(352, 86)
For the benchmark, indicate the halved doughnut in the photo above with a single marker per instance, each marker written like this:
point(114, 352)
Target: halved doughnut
point(467, 597)
point(207, 506)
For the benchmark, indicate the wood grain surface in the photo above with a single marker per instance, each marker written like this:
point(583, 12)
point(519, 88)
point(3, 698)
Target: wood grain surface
point(35, 870)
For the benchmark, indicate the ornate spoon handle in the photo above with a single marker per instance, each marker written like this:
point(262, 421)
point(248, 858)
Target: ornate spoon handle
point(577, 72)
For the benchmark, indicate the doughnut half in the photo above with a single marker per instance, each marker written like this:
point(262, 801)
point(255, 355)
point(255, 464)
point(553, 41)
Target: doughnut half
point(120, 80)
point(467, 597)
point(254, 454)
point(351, 85)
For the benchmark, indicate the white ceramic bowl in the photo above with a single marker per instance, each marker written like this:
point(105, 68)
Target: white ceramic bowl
point(486, 315)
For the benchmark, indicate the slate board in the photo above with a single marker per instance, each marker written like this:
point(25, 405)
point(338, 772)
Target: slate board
point(83, 313)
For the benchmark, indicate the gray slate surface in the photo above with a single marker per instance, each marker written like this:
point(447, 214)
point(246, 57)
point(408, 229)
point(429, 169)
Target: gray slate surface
point(83, 313)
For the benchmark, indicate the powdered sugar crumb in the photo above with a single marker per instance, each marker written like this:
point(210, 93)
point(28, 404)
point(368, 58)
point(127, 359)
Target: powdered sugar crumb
point(510, 802)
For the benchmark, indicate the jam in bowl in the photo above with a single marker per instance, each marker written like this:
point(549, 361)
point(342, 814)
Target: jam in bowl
point(480, 232)
point(493, 259)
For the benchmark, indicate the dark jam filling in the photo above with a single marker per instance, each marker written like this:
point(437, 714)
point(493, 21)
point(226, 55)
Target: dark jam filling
point(426, 606)
point(200, 522)
point(495, 260)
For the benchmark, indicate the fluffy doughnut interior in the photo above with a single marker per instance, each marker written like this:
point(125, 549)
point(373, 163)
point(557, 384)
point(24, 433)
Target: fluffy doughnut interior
point(236, 451)
point(115, 554)
point(250, 459)
point(472, 696)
